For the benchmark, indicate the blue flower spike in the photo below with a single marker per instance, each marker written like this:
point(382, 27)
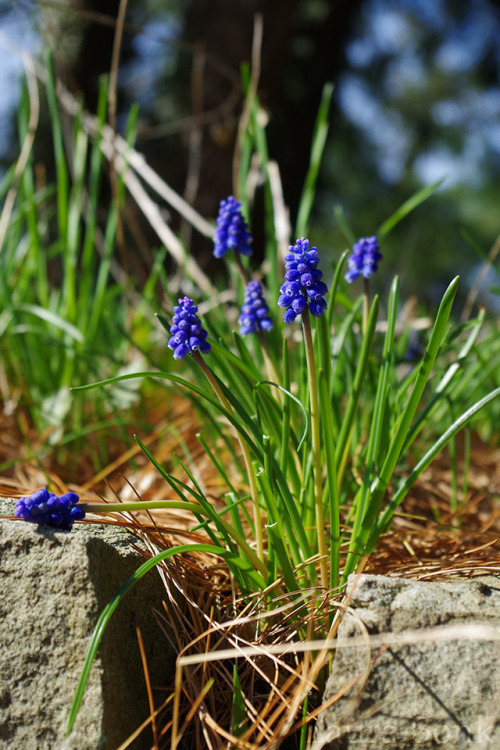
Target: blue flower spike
point(231, 232)
point(187, 335)
point(45, 508)
point(254, 311)
point(364, 259)
point(303, 286)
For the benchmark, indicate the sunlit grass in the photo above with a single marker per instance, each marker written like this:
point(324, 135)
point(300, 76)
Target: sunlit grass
point(316, 434)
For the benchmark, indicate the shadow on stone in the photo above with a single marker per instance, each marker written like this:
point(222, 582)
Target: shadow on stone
point(53, 587)
point(431, 694)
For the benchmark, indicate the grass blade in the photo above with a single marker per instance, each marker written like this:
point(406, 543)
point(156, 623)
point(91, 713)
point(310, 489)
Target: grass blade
point(385, 519)
point(52, 318)
point(408, 206)
point(113, 604)
point(381, 483)
point(346, 430)
point(320, 135)
point(332, 495)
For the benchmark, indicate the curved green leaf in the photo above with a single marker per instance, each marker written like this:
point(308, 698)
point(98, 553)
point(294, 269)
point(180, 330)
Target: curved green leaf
point(112, 605)
point(52, 318)
point(297, 401)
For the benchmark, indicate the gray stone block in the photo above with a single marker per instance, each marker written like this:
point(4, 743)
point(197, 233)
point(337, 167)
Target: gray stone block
point(431, 694)
point(53, 587)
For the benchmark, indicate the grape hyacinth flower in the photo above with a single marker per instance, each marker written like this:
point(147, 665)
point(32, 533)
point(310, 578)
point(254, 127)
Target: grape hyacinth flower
point(364, 259)
point(303, 286)
point(254, 311)
point(303, 291)
point(187, 334)
point(231, 232)
point(45, 508)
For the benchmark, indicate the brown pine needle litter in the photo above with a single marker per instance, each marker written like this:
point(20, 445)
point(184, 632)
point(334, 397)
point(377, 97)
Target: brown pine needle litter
point(211, 629)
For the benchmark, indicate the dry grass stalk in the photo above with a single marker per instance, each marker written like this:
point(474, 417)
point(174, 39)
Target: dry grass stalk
point(212, 630)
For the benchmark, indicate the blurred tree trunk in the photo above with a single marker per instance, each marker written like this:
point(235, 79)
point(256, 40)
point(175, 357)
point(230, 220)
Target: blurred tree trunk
point(303, 47)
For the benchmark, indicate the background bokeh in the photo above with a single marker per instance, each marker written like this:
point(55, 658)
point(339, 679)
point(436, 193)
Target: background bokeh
point(417, 99)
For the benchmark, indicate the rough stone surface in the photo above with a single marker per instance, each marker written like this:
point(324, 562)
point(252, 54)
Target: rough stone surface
point(427, 695)
point(53, 587)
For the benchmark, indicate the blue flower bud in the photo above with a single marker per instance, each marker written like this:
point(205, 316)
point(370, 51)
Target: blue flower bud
point(187, 334)
point(180, 351)
point(45, 508)
point(231, 232)
point(302, 286)
point(364, 259)
point(298, 304)
point(254, 315)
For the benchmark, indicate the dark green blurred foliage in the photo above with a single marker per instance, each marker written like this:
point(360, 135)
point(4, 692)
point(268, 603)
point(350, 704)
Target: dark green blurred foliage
point(419, 100)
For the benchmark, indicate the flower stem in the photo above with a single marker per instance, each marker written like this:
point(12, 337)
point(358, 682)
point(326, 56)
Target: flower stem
point(366, 303)
point(241, 267)
point(316, 447)
point(259, 534)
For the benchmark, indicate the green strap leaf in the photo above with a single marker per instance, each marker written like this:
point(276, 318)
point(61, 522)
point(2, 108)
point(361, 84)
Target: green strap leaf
point(381, 483)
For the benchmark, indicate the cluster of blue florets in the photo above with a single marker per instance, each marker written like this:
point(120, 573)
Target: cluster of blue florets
point(231, 232)
point(364, 259)
point(303, 286)
point(254, 311)
point(45, 508)
point(187, 334)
